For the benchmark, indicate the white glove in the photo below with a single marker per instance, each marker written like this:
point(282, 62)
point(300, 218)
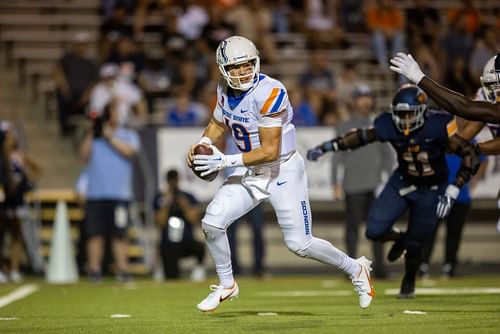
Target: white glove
point(405, 64)
point(216, 162)
point(446, 202)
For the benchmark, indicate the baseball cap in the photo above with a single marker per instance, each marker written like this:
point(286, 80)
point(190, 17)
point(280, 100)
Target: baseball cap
point(363, 90)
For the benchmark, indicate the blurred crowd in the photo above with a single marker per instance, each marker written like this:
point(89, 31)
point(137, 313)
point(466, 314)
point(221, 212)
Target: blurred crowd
point(174, 84)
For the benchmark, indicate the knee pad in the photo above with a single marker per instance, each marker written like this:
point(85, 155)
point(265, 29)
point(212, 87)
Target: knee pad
point(295, 247)
point(211, 232)
point(214, 214)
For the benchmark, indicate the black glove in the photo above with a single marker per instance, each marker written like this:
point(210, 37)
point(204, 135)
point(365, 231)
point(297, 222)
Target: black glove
point(314, 153)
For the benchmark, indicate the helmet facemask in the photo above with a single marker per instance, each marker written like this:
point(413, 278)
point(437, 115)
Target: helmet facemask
point(408, 118)
point(238, 50)
point(490, 80)
point(241, 82)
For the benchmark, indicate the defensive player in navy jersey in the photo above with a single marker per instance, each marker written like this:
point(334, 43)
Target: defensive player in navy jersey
point(421, 137)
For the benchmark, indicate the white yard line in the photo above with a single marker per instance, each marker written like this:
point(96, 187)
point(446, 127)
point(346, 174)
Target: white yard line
point(20, 293)
point(390, 292)
point(449, 291)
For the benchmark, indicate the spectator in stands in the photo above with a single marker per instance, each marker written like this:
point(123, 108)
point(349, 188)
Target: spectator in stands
point(457, 41)
point(108, 6)
point(176, 214)
point(486, 46)
point(127, 52)
point(113, 27)
point(192, 17)
point(424, 21)
point(322, 26)
point(107, 151)
point(351, 15)
point(318, 82)
point(257, 29)
point(457, 77)
point(470, 13)
point(345, 84)
point(217, 28)
point(359, 184)
point(185, 112)
point(116, 85)
point(303, 111)
point(386, 23)
point(20, 171)
point(74, 75)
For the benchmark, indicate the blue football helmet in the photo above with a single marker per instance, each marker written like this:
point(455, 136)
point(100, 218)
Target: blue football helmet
point(408, 108)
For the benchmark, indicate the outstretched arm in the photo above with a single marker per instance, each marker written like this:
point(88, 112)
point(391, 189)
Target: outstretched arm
point(351, 140)
point(460, 105)
point(451, 101)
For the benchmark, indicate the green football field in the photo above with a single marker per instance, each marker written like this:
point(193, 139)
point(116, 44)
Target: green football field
point(304, 304)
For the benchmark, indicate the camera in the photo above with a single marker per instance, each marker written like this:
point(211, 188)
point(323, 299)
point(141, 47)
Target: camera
point(100, 120)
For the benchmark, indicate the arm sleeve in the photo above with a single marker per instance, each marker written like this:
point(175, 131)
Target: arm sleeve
point(470, 159)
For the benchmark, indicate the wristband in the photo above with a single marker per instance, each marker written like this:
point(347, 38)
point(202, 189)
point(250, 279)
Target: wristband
point(205, 140)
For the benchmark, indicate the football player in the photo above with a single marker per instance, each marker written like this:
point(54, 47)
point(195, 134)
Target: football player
point(255, 109)
point(419, 184)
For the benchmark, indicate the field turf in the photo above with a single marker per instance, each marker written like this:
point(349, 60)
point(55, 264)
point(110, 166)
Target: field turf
point(299, 304)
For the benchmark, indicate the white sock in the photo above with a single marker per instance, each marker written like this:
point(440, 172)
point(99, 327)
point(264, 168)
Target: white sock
point(323, 251)
point(221, 254)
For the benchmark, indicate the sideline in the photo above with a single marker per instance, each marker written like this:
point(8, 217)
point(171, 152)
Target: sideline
point(20, 293)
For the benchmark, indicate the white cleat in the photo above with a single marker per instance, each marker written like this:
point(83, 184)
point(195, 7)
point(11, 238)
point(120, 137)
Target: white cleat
point(362, 283)
point(218, 295)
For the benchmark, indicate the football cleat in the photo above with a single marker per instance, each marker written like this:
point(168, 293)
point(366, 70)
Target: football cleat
point(218, 295)
point(362, 282)
point(407, 290)
point(397, 250)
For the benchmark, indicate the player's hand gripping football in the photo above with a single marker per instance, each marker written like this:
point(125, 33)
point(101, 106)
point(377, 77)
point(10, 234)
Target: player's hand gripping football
point(446, 201)
point(404, 64)
point(211, 163)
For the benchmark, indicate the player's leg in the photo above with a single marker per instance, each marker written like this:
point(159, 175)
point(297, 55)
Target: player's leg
point(256, 220)
point(421, 226)
point(385, 211)
point(230, 203)
point(289, 199)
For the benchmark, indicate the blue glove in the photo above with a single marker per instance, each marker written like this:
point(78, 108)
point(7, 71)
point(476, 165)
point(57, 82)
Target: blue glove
point(446, 201)
point(314, 153)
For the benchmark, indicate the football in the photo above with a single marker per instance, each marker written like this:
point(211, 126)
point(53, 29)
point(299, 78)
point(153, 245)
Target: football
point(205, 150)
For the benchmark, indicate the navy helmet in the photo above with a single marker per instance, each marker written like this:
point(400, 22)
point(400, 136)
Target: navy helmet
point(408, 108)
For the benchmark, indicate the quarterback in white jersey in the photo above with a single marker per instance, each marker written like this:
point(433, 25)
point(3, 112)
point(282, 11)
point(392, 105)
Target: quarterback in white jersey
point(256, 110)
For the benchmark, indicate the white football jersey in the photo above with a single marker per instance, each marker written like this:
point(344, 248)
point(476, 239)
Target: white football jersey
point(245, 114)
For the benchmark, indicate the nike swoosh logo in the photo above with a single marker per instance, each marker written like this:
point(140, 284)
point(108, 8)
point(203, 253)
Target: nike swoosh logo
point(280, 183)
point(233, 162)
point(244, 111)
point(428, 140)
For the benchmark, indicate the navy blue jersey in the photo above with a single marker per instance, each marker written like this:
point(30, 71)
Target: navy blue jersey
point(421, 154)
